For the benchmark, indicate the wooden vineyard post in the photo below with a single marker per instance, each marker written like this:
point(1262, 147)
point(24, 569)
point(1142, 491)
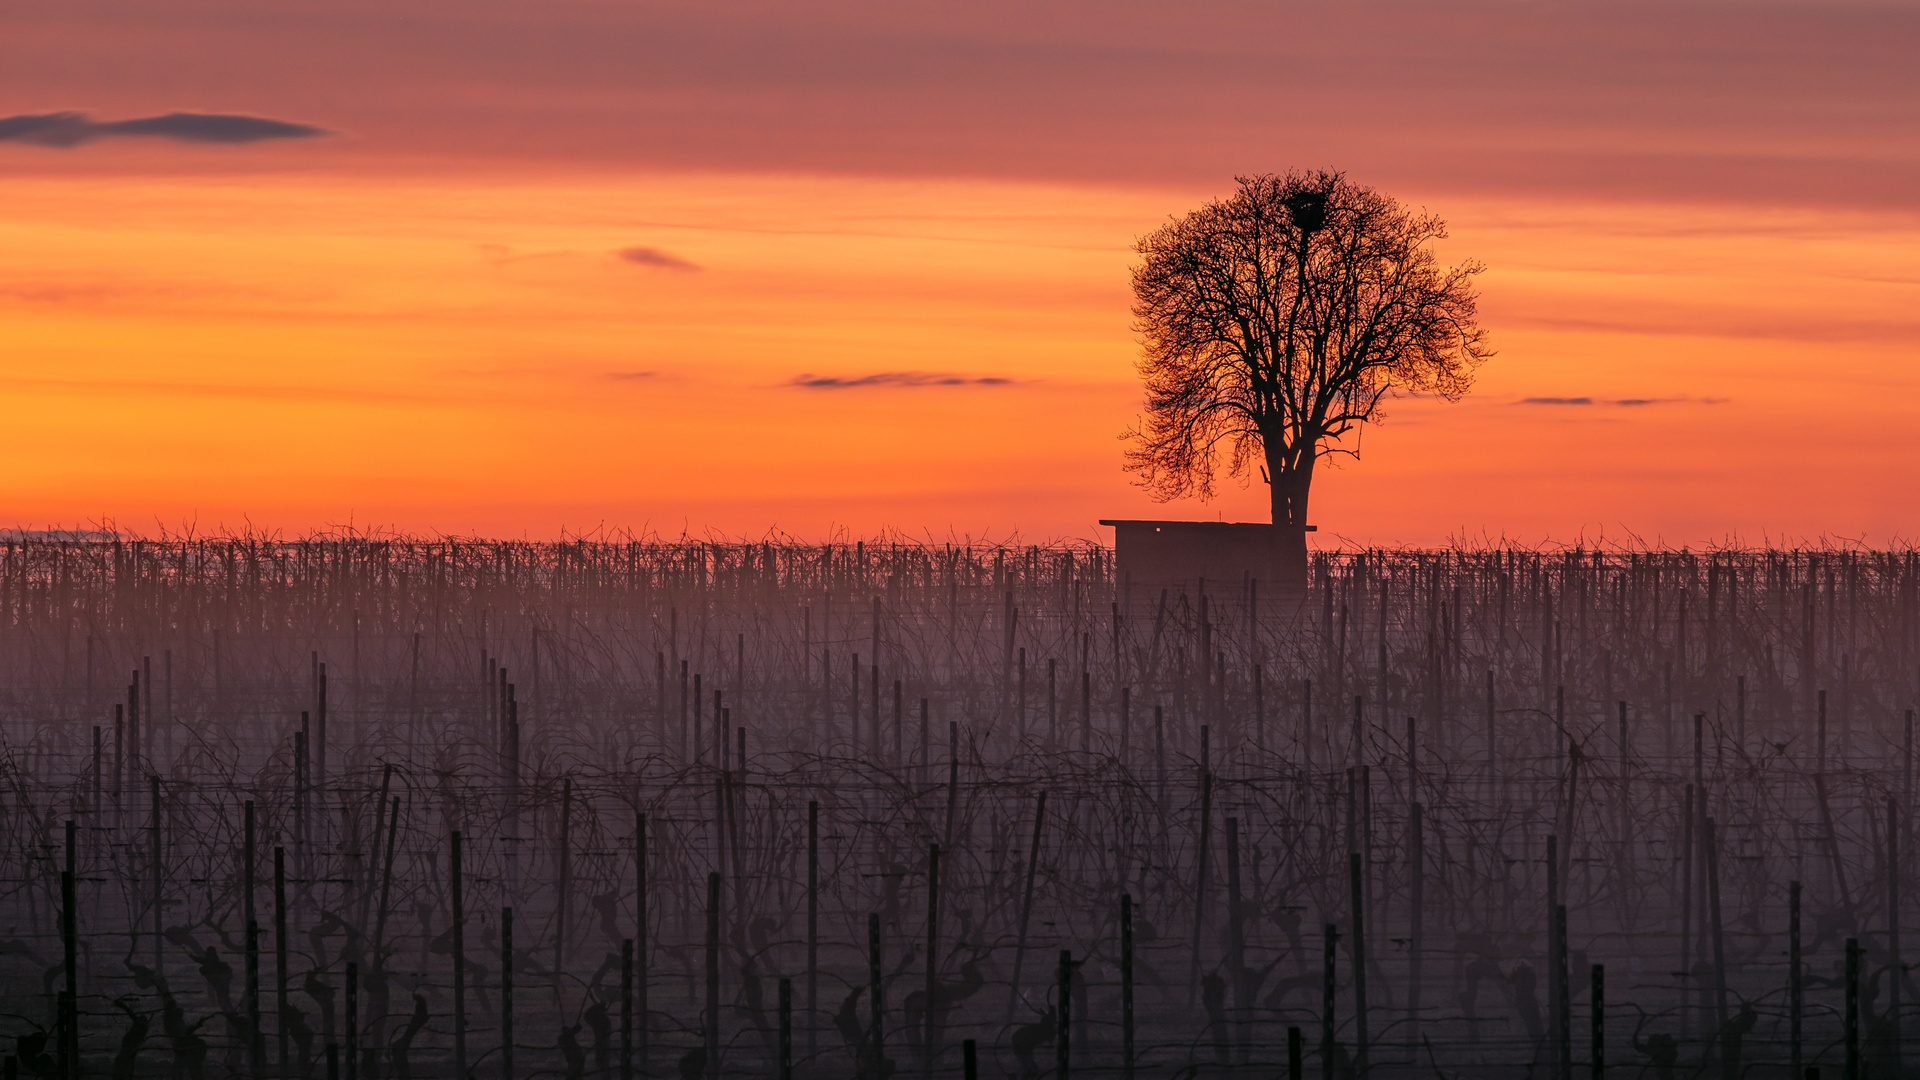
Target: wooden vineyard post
point(256, 1044)
point(932, 1033)
point(626, 1009)
point(969, 1060)
point(1597, 1000)
point(352, 1049)
point(1688, 813)
point(282, 1008)
point(640, 937)
point(506, 993)
point(158, 873)
point(66, 1039)
point(1126, 987)
point(300, 799)
point(379, 819)
point(564, 874)
point(94, 804)
point(386, 878)
point(1556, 1031)
point(1200, 868)
point(1063, 1026)
point(1357, 890)
point(1796, 1001)
point(459, 961)
point(1086, 711)
point(1709, 840)
point(320, 743)
point(1703, 927)
point(1569, 781)
point(1366, 837)
point(786, 1029)
point(1026, 904)
point(1237, 942)
point(876, 998)
point(1417, 887)
point(1895, 970)
point(710, 1021)
point(1853, 1010)
point(1563, 1023)
point(1330, 939)
point(132, 760)
point(953, 781)
point(1296, 1059)
point(720, 815)
point(813, 929)
point(70, 962)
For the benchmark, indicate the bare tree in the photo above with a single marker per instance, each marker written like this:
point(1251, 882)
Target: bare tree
point(1275, 321)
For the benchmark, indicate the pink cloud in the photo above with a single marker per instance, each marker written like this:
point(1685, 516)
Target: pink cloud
point(1781, 103)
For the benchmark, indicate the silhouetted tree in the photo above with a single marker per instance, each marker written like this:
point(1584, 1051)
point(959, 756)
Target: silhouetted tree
point(1275, 320)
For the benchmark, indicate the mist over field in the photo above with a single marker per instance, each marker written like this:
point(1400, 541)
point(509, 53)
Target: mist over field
point(864, 809)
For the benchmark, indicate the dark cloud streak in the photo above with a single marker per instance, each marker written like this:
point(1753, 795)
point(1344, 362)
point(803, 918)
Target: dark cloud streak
point(894, 378)
point(65, 130)
point(656, 259)
point(1627, 403)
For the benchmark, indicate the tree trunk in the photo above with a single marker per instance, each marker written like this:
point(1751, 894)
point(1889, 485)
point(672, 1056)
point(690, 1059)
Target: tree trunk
point(1290, 477)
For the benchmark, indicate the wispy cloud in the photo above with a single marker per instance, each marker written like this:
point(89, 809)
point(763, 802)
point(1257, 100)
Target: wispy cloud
point(655, 258)
point(629, 376)
point(69, 129)
point(893, 378)
point(1622, 402)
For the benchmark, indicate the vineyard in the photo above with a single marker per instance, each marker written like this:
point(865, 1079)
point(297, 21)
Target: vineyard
point(408, 808)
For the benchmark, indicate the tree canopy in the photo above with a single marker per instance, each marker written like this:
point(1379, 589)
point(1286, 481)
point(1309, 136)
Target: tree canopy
point(1274, 321)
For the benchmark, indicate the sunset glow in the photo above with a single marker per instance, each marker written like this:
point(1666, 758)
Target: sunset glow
point(824, 321)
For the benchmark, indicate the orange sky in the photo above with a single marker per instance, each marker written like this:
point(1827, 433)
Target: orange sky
point(423, 320)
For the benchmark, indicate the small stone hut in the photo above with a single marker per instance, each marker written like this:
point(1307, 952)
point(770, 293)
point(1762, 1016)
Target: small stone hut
point(1179, 555)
